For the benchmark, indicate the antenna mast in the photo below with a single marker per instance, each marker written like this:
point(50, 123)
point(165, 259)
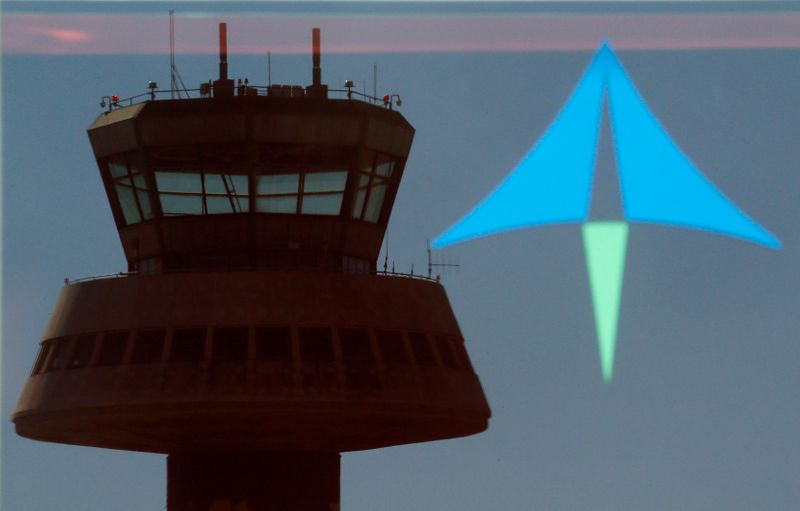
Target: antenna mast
point(174, 76)
point(316, 72)
point(172, 79)
point(431, 264)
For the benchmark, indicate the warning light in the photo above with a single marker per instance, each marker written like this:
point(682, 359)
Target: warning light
point(114, 99)
point(386, 100)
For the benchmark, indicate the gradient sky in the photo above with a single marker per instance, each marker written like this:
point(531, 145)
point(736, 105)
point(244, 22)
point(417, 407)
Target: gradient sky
point(704, 409)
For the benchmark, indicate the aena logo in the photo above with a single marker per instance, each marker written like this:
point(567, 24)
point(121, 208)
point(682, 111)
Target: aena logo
point(658, 184)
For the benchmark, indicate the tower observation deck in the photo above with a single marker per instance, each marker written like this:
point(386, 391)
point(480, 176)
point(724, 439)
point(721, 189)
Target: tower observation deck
point(252, 339)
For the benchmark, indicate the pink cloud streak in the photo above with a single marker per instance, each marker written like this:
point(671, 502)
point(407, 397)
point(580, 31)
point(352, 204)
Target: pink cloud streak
point(147, 34)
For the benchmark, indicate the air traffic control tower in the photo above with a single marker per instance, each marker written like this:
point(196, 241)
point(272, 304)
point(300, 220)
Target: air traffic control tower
point(252, 339)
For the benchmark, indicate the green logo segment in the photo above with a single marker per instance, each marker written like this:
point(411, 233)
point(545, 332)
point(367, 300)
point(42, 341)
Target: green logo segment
point(605, 245)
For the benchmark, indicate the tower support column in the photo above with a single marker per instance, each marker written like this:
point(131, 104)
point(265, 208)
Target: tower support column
point(253, 481)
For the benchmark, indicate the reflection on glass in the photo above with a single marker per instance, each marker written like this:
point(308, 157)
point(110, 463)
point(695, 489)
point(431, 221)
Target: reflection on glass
point(182, 182)
point(221, 205)
point(128, 204)
point(385, 169)
point(277, 184)
point(373, 210)
point(144, 203)
point(327, 204)
point(117, 168)
point(280, 204)
point(181, 204)
point(325, 182)
point(361, 194)
point(277, 193)
point(228, 184)
point(226, 193)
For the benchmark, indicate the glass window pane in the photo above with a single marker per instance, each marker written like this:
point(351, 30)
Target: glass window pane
point(220, 205)
point(144, 202)
point(315, 345)
point(112, 349)
point(39, 365)
point(187, 182)
point(385, 169)
point(373, 210)
point(328, 204)
point(225, 184)
point(392, 348)
point(139, 181)
point(422, 349)
point(147, 347)
point(188, 345)
point(356, 349)
point(128, 204)
point(117, 168)
point(82, 353)
point(58, 359)
point(325, 181)
point(230, 344)
point(358, 204)
point(181, 204)
point(277, 184)
point(274, 343)
point(286, 204)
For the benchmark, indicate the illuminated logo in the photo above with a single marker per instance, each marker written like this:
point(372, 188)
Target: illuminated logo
point(658, 183)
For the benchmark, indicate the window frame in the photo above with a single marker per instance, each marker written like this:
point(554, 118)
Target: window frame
point(137, 191)
point(365, 190)
point(234, 196)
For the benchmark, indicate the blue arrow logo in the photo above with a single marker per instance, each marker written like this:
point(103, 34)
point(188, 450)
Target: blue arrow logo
point(658, 183)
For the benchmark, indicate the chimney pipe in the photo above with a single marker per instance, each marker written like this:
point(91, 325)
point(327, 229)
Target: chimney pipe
point(316, 71)
point(223, 51)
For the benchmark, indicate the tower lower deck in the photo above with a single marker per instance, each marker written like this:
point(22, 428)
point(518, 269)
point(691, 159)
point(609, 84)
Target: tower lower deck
point(252, 361)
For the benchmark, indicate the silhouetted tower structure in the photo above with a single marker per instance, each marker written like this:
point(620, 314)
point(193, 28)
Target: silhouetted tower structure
point(252, 339)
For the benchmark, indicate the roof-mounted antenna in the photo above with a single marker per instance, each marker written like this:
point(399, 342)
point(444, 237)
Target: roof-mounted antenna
point(223, 51)
point(316, 79)
point(316, 89)
point(223, 87)
point(174, 76)
point(432, 265)
point(172, 80)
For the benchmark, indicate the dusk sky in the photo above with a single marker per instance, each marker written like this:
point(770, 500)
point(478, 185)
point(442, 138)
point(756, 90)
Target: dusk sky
point(703, 412)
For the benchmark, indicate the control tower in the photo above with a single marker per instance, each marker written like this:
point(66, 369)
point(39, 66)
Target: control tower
point(252, 339)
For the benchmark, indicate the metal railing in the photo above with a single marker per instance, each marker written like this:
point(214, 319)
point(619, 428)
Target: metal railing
point(377, 273)
point(245, 90)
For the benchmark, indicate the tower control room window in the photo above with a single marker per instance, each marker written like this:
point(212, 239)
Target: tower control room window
point(373, 182)
point(38, 367)
point(277, 193)
point(309, 192)
point(323, 192)
point(131, 188)
point(202, 193)
point(82, 353)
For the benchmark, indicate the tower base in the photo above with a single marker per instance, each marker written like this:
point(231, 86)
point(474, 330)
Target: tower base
point(262, 481)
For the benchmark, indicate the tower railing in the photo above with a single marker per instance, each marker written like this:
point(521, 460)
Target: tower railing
point(378, 273)
point(206, 91)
